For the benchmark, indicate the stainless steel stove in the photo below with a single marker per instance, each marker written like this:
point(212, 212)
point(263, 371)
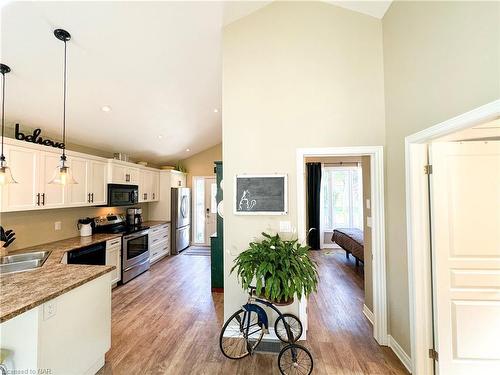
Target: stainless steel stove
point(135, 244)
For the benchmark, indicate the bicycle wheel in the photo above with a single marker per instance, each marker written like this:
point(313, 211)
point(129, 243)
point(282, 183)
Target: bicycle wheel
point(295, 360)
point(241, 334)
point(294, 324)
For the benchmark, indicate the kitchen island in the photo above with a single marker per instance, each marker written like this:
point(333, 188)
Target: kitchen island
point(57, 318)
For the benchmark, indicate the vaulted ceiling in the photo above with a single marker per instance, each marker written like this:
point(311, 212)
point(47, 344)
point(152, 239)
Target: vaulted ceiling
point(156, 65)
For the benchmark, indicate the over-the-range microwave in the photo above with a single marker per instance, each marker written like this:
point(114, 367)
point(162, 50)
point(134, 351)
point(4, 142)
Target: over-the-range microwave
point(122, 195)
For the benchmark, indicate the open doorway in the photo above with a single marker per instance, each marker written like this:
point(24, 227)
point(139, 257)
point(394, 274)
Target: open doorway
point(204, 209)
point(341, 245)
point(374, 158)
point(453, 190)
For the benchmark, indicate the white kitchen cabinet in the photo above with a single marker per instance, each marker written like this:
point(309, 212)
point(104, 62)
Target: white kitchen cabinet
point(69, 334)
point(123, 173)
point(78, 194)
point(51, 195)
point(113, 258)
point(98, 184)
point(159, 242)
point(156, 186)
point(23, 195)
point(178, 179)
point(33, 167)
point(33, 170)
point(91, 187)
point(148, 185)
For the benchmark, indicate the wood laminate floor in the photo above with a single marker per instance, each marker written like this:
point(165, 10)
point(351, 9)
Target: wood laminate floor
point(167, 321)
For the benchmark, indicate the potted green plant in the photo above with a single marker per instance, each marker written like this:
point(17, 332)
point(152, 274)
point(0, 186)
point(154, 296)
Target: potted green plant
point(279, 269)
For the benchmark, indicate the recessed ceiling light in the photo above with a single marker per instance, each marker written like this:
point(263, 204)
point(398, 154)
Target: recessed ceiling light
point(188, 149)
point(105, 108)
point(216, 110)
point(160, 136)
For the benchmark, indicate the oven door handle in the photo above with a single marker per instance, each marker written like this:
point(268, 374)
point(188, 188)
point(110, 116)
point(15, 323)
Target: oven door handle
point(137, 265)
point(136, 235)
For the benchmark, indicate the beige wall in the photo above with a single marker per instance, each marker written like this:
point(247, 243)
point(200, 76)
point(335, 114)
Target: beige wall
point(367, 231)
point(295, 74)
point(37, 227)
point(441, 59)
point(202, 163)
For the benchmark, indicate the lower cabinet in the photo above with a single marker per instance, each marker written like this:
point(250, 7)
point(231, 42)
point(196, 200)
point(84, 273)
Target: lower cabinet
point(159, 242)
point(69, 334)
point(114, 258)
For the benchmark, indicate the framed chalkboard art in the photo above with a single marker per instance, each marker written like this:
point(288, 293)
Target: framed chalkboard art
point(261, 194)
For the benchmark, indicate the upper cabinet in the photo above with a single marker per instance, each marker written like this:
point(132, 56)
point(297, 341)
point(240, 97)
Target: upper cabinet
point(149, 185)
point(122, 173)
point(24, 165)
point(33, 168)
point(177, 179)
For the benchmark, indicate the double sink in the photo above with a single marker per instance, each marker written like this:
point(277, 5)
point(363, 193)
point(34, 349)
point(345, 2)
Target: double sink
point(23, 262)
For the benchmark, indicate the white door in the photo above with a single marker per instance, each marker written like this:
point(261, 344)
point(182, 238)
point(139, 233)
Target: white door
point(465, 209)
point(204, 209)
point(98, 187)
point(24, 166)
point(78, 194)
point(210, 208)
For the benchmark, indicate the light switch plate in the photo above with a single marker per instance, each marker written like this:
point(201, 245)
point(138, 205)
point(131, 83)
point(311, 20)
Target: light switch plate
point(49, 309)
point(367, 203)
point(57, 225)
point(368, 221)
point(285, 227)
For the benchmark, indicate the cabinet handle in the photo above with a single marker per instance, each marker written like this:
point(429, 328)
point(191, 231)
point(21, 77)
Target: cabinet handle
point(92, 194)
point(38, 199)
point(146, 195)
point(127, 177)
point(43, 199)
point(153, 195)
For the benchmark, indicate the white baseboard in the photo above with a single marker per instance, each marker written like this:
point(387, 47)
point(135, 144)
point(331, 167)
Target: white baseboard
point(400, 353)
point(368, 314)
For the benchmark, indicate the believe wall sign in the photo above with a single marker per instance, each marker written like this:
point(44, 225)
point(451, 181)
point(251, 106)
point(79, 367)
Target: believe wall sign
point(36, 138)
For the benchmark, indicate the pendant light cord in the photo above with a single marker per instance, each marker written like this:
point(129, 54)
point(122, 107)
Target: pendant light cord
point(2, 157)
point(64, 104)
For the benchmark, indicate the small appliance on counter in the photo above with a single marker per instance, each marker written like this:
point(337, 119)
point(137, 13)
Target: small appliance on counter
point(134, 216)
point(85, 226)
point(135, 243)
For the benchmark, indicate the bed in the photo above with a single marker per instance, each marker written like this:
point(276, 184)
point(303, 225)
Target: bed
point(351, 240)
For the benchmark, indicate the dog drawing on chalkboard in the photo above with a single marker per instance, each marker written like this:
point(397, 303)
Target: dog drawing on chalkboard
point(245, 201)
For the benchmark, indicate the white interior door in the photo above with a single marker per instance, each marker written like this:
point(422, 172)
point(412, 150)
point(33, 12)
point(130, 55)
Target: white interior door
point(465, 209)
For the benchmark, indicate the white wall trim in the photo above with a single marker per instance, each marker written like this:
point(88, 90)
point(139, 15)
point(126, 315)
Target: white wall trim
point(400, 353)
point(378, 225)
point(368, 313)
point(417, 229)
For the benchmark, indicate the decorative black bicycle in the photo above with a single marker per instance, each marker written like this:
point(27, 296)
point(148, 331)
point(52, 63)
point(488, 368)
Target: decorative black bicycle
point(243, 332)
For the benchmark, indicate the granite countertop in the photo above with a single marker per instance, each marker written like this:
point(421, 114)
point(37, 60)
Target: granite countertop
point(23, 291)
point(153, 223)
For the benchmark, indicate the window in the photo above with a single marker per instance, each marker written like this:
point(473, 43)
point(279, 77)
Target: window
point(341, 198)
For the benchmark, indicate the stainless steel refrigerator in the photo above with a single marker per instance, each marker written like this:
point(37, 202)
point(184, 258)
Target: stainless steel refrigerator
point(181, 219)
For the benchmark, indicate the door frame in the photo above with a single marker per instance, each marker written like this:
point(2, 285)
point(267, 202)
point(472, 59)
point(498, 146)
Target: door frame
point(193, 186)
point(418, 232)
point(378, 226)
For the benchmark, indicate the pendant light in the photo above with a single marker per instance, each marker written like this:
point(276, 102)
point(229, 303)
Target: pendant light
point(62, 174)
point(5, 172)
